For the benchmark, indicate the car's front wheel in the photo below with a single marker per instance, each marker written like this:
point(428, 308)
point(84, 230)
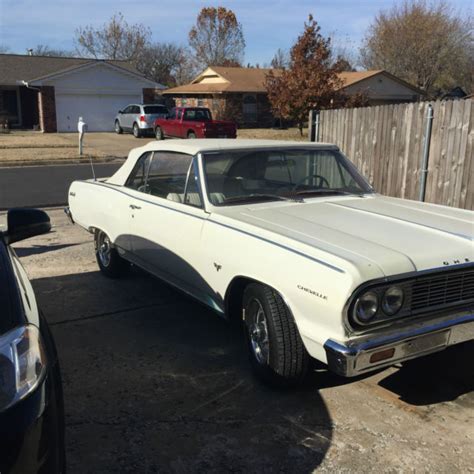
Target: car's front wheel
point(118, 128)
point(136, 131)
point(110, 262)
point(277, 353)
point(159, 133)
point(191, 135)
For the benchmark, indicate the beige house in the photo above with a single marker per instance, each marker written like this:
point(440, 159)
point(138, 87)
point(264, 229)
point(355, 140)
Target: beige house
point(239, 93)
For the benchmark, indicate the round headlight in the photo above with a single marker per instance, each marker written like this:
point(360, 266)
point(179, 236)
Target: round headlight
point(392, 300)
point(366, 307)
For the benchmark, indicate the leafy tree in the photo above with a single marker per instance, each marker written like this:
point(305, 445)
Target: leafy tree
point(311, 80)
point(114, 40)
point(217, 37)
point(424, 43)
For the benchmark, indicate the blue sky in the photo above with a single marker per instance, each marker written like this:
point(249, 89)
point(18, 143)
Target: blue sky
point(268, 24)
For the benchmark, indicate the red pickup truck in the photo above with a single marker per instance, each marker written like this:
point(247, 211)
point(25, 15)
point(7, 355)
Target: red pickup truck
point(193, 122)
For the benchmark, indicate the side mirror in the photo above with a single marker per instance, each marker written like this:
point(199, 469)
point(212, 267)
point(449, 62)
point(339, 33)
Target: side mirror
point(120, 112)
point(25, 223)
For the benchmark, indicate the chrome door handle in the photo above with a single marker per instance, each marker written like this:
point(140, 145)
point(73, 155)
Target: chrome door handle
point(132, 206)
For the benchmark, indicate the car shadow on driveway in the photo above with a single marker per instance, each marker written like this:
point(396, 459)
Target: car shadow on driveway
point(39, 249)
point(440, 377)
point(154, 381)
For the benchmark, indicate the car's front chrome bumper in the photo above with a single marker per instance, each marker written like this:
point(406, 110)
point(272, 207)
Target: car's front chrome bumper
point(375, 352)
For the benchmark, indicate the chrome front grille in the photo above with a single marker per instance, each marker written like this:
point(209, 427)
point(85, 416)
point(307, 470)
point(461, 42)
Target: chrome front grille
point(449, 288)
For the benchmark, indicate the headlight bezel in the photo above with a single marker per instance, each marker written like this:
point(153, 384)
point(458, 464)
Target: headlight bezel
point(380, 316)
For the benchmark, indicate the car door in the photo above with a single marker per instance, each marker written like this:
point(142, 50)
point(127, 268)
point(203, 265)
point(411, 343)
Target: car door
point(173, 124)
point(125, 118)
point(167, 217)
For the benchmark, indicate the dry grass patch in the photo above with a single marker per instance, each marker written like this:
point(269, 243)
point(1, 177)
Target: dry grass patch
point(15, 140)
point(273, 134)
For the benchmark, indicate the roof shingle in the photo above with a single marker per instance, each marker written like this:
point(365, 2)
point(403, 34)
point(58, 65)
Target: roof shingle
point(16, 67)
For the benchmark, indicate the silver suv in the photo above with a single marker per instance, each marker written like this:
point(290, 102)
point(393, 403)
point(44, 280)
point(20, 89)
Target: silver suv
point(139, 118)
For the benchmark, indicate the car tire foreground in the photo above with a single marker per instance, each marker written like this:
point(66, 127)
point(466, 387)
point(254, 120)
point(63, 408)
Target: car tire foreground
point(276, 351)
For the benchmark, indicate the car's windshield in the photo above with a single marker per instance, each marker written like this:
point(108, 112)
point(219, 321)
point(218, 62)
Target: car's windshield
point(155, 109)
point(243, 176)
point(197, 114)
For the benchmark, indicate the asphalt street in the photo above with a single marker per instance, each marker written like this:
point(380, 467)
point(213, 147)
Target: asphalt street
point(45, 186)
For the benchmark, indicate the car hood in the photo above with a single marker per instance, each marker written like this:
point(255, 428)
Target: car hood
point(387, 235)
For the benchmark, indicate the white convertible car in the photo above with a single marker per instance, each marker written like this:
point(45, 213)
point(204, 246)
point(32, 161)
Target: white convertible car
point(291, 240)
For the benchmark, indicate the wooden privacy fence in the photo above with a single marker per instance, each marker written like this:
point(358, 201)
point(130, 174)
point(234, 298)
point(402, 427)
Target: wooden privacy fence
point(386, 144)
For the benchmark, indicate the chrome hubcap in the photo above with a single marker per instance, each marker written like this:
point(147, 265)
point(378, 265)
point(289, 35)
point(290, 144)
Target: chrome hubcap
point(104, 250)
point(258, 332)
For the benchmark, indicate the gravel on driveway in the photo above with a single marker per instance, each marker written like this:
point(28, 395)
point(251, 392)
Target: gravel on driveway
point(155, 382)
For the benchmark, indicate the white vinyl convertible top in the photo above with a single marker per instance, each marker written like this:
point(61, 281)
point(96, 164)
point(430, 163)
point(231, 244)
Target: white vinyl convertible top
point(193, 147)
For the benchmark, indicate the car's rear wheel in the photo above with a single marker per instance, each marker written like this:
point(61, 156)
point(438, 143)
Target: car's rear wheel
point(191, 135)
point(276, 351)
point(159, 133)
point(136, 131)
point(110, 262)
point(118, 128)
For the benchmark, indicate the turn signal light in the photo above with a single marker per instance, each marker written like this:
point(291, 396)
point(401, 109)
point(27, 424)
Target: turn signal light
point(382, 355)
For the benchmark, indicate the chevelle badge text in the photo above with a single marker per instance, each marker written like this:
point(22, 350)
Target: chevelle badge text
point(312, 292)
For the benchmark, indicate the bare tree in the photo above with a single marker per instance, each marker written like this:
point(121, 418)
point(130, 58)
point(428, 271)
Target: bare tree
point(4, 48)
point(281, 60)
point(44, 50)
point(114, 40)
point(426, 44)
point(217, 38)
point(166, 63)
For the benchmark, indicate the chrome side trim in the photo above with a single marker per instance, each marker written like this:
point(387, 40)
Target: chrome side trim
point(352, 359)
point(301, 254)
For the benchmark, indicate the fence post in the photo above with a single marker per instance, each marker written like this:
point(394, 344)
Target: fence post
point(426, 153)
point(313, 126)
point(316, 126)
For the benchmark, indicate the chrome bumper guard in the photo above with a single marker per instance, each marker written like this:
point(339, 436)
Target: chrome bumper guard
point(367, 354)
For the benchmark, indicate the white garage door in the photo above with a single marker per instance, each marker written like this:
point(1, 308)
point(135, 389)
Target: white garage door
point(98, 111)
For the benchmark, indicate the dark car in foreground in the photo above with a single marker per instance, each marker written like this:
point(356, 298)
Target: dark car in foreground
point(31, 399)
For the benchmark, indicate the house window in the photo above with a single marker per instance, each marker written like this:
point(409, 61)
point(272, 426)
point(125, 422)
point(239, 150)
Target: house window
point(200, 102)
point(249, 108)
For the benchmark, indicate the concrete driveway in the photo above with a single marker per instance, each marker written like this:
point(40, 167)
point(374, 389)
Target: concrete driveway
point(155, 382)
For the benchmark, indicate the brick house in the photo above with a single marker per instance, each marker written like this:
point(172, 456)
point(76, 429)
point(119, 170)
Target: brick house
point(51, 93)
point(239, 94)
